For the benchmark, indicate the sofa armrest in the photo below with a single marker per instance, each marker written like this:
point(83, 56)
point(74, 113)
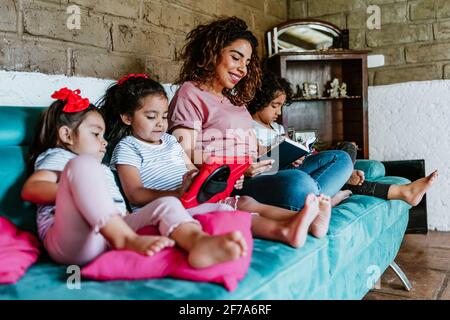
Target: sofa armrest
point(372, 169)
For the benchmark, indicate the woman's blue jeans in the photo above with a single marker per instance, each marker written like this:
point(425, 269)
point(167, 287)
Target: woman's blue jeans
point(323, 173)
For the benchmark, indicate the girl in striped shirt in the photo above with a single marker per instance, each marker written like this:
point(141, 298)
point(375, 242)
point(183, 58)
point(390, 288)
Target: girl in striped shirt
point(81, 212)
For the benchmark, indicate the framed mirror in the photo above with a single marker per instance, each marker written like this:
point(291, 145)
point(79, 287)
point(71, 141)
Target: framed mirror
point(304, 35)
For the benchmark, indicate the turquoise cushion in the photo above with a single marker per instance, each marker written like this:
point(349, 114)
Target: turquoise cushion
point(358, 272)
point(359, 221)
point(17, 125)
point(276, 271)
point(372, 169)
point(17, 128)
point(12, 178)
point(281, 271)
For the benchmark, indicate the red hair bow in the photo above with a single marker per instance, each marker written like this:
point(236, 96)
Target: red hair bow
point(129, 76)
point(74, 102)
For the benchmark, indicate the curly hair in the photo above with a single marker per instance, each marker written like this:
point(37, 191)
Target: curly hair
point(125, 98)
point(271, 85)
point(203, 51)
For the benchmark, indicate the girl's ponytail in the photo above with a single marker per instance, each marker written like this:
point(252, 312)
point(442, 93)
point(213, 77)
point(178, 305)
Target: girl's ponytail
point(46, 133)
point(110, 106)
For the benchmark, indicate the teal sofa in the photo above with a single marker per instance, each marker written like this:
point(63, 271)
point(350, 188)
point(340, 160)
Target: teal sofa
point(364, 237)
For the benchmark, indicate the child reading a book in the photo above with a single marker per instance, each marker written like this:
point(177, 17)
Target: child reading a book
point(265, 108)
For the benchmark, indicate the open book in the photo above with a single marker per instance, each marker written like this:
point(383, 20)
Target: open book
point(285, 152)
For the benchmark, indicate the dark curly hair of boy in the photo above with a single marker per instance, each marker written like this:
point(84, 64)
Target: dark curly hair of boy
point(271, 87)
point(202, 53)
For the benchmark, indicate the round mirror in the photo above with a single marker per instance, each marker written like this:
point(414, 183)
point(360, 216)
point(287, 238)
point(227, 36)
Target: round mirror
point(304, 35)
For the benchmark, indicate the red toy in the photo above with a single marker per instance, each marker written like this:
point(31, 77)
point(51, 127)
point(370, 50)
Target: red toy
point(215, 180)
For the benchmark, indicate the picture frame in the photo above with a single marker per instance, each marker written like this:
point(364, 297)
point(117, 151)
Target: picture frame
point(304, 136)
point(310, 90)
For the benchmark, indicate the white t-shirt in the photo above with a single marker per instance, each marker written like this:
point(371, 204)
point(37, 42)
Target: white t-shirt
point(265, 136)
point(161, 167)
point(55, 159)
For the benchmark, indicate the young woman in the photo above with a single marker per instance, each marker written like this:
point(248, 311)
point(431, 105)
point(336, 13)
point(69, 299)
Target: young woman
point(208, 115)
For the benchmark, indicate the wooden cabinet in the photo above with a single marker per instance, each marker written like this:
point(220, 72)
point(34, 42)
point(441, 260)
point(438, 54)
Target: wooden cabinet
point(334, 120)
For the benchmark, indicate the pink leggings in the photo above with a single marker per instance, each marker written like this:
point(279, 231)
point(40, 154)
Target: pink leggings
point(84, 205)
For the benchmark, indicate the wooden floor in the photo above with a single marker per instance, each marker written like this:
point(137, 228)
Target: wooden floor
point(425, 259)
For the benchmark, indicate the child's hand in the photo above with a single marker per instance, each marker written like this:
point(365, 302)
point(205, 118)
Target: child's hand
point(187, 181)
point(239, 183)
point(298, 162)
point(258, 168)
point(357, 178)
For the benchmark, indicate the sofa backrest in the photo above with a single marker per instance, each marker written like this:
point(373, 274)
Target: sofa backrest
point(17, 126)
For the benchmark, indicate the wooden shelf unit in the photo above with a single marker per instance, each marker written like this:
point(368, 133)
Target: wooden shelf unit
point(334, 120)
point(324, 98)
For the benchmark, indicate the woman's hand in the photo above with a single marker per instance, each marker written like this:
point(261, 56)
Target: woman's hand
point(258, 168)
point(239, 183)
point(188, 178)
point(298, 162)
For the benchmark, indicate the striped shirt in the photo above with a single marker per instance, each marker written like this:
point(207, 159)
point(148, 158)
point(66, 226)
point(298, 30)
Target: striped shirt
point(161, 167)
point(55, 159)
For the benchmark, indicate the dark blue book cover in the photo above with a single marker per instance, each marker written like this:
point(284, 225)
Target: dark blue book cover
point(285, 153)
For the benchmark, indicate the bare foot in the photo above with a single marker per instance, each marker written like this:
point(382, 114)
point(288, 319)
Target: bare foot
point(357, 178)
point(211, 250)
point(148, 245)
point(414, 191)
point(295, 229)
point(319, 227)
point(339, 197)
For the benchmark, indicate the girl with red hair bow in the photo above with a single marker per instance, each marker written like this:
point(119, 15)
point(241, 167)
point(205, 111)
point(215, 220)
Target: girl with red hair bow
point(81, 212)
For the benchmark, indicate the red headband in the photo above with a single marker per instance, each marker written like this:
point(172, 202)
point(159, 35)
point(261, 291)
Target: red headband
point(124, 79)
point(74, 102)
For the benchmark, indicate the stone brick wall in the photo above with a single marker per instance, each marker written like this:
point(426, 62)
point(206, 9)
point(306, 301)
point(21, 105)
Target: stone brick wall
point(414, 35)
point(116, 36)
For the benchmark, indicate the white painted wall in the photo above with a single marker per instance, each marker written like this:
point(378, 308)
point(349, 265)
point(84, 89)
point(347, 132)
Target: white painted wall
point(34, 89)
point(406, 121)
point(411, 121)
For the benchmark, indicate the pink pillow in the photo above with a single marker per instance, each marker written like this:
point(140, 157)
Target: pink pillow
point(18, 251)
point(127, 265)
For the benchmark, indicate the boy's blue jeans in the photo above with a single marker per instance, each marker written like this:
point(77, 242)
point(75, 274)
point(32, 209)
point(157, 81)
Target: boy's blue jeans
point(323, 173)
